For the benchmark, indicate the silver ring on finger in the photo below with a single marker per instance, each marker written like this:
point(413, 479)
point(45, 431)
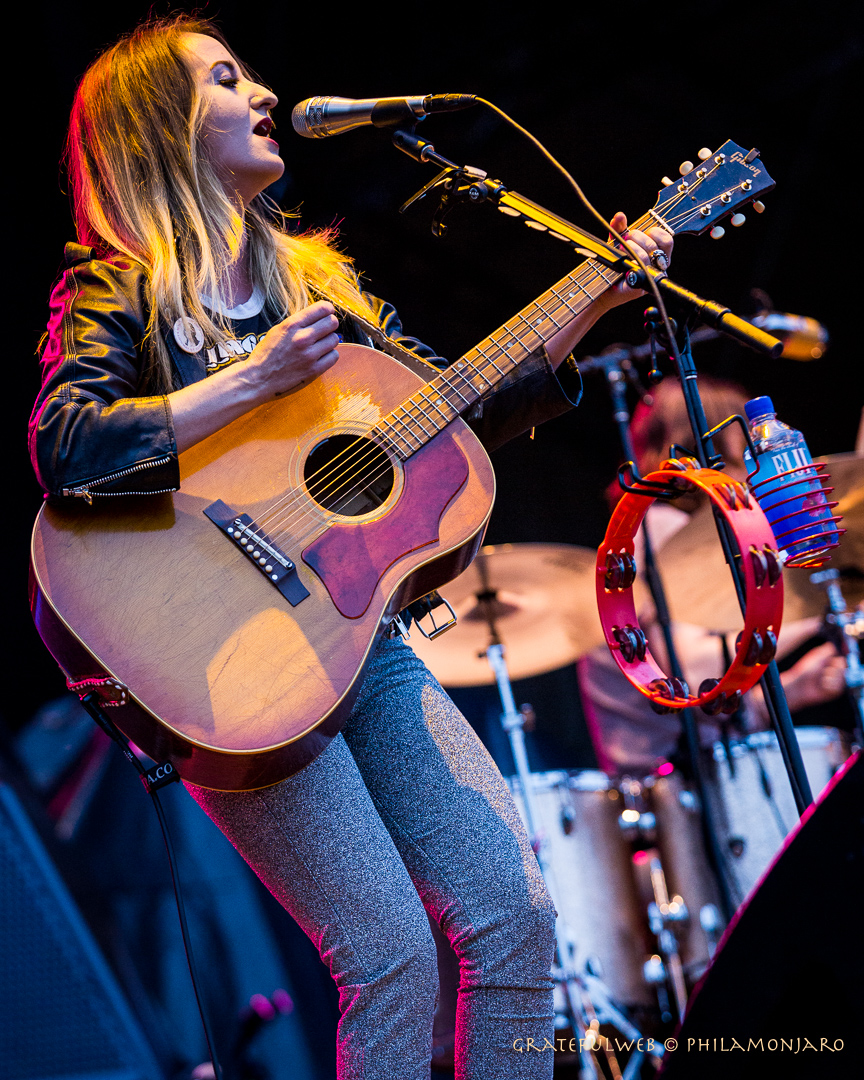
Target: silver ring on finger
point(659, 258)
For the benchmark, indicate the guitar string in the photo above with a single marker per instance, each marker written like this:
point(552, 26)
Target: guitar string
point(370, 450)
point(373, 450)
point(476, 370)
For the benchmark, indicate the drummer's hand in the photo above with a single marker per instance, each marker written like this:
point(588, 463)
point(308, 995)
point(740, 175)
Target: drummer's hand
point(644, 244)
point(819, 676)
point(295, 351)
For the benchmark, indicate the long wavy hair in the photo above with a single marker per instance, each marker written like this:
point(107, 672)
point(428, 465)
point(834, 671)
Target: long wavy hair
point(142, 185)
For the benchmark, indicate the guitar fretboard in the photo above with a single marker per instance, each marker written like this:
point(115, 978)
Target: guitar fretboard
point(461, 385)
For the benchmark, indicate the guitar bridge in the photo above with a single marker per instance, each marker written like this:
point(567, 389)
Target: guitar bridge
point(261, 551)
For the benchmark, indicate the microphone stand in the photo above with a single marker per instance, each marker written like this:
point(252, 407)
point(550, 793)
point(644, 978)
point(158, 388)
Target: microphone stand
point(612, 364)
point(471, 185)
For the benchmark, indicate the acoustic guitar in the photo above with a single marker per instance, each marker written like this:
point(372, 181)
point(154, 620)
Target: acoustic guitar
point(238, 613)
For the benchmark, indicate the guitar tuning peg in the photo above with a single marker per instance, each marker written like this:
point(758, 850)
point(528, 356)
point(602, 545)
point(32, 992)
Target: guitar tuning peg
point(758, 206)
point(704, 153)
point(737, 220)
point(717, 233)
point(685, 167)
point(666, 182)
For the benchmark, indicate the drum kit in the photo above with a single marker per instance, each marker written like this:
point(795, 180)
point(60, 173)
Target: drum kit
point(639, 893)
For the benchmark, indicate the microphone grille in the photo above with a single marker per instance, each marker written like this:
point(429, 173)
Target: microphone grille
point(307, 116)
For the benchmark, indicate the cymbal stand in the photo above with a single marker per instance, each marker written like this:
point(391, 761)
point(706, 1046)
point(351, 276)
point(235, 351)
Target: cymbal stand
point(665, 915)
point(850, 625)
point(587, 1007)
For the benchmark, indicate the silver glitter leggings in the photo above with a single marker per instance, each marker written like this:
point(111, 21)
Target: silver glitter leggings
point(406, 811)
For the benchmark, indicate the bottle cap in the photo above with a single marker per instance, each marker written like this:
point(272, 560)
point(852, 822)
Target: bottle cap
point(758, 406)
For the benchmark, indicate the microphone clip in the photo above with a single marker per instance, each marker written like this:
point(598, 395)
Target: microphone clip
point(455, 183)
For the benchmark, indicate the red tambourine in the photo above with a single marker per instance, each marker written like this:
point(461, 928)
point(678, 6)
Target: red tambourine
point(616, 572)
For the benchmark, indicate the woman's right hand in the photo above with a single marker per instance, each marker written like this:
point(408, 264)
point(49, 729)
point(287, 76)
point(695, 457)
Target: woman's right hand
point(294, 352)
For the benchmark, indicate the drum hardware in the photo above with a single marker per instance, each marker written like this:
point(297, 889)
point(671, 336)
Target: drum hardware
point(542, 601)
point(654, 972)
point(665, 914)
point(675, 877)
point(668, 915)
point(850, 625)
point(586, 1006)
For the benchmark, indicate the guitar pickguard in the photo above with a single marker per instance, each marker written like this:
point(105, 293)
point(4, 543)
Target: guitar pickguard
point(351, 557)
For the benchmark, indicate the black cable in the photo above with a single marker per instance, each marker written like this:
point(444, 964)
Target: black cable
point(586, 202)
point(153, 779)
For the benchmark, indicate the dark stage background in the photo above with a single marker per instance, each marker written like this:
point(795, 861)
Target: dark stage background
point(620, 102)
point(621, 99)
point(620, 95)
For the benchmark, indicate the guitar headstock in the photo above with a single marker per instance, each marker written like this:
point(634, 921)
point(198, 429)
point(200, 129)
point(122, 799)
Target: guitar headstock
point(724, 181)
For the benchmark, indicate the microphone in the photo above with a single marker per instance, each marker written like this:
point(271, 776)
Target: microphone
point(318, 117)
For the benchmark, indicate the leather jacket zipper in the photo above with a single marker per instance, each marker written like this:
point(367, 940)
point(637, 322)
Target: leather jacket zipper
point(84, 491)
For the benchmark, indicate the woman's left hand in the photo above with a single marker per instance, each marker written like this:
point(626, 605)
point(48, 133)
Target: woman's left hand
point(652, 248)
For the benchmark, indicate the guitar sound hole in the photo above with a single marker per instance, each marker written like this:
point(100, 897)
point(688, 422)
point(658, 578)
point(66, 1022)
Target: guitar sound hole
point(347, 474)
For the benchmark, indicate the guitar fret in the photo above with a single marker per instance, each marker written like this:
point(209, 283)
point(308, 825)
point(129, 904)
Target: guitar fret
point(508, 330)
point(489, 360)
point(598, 269)
point(547, 313)
point(453, 391)
point(436, 406)
point(401, 452)
point(407, 408)
point(565, 300)
point(532, 328)
point(408, 436)
point(477, 380)
point(444, 378)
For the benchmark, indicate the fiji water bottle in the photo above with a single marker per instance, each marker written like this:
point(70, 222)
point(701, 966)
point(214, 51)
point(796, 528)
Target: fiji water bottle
point(789, 488)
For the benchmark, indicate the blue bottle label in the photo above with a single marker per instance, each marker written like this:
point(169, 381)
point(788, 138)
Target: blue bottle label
point(795, 505)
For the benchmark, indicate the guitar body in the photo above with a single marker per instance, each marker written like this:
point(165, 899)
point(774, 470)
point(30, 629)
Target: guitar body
point(227, 679)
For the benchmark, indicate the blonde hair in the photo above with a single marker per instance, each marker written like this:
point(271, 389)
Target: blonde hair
point(142, 185)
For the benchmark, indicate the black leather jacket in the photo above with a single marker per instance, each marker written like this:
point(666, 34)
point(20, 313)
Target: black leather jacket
point(96, 430)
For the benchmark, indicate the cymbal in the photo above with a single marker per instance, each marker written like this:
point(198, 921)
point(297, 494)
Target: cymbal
point(544, 609)
point(698, 584)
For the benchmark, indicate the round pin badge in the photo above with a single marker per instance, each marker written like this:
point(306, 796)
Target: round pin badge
point(189, 335)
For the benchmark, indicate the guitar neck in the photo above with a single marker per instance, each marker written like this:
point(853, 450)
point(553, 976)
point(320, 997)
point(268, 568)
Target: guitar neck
point(457, 389)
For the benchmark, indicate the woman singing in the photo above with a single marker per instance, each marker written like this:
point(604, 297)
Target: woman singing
point(181, 308)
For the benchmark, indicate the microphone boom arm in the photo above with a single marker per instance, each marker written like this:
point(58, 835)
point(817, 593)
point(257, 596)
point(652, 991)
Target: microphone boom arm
point(471, 185)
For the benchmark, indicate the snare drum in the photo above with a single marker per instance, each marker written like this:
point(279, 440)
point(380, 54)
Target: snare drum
point(588, 869)
point(752, 800)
